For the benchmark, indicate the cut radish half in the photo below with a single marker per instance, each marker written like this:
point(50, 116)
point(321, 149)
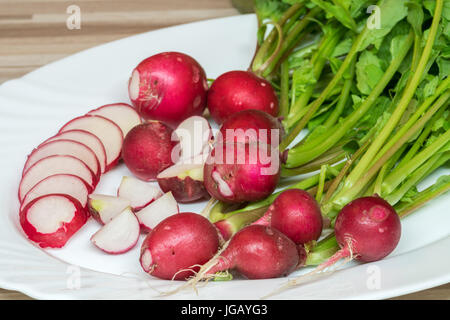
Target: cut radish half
point(55, 165)
point(52, 219)
point(119, 235)
point(124, 115)
point(194, 135)
point(104, 208)
point(157, 211)
point(65, 148)
point(87, 139)
point(139, 193)
point(106, 130)
point(59, 183)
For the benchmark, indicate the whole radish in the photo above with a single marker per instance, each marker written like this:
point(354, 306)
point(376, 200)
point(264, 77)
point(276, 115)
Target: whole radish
point(147, 149)
point(235, 91)
point(176, 247)
point(296, 214)
point(251, 125)
point(168, 86)
point(239, 172)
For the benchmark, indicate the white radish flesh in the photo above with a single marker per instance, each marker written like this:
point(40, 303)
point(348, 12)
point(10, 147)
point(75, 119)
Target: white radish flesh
point(104, 208)
point(139, 193)
point(194, 135)
point(157, 211)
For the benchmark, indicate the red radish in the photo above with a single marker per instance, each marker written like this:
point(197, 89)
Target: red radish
point(107, 131)
point(119, 235)
point(122, 114)
point(68, 184)
point(104, 208)
point(147, 149)
point(251, 125)
point(238, 172)
point(174, 248)
point(296, 214)
point(168, 86)
point(51, 220)
point(139, 193)
point(157, 211)
point(55, 165)
point(194, 135)
point(87, 139)
point(65, 148)
point(235, 91)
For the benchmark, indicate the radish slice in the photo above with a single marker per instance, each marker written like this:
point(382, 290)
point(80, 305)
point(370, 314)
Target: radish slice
point(104, 208)
point(106, 130)
point(194, 135)
point(124, 115)
point(157, 211)
point(119, 235)
point(52, 219)
point(55, 165)
point(59, 183)
point(87, 139)
point(65, 148)
point(139, 193)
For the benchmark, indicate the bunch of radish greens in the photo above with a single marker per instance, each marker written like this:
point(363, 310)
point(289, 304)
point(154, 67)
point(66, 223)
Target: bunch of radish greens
point(367, 86)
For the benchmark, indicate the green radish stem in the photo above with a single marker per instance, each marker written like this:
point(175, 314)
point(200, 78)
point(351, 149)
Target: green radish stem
point(284, 92)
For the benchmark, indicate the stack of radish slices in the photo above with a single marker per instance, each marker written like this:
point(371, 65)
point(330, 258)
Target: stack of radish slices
point(60, 173)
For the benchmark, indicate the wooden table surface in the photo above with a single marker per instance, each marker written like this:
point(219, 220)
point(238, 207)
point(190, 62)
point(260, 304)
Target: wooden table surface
point(34, 33)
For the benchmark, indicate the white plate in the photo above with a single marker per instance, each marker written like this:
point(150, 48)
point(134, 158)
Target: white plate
point(35, 106)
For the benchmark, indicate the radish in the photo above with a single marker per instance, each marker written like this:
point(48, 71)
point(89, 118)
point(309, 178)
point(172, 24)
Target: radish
point(194, 135)
point(106, 130)
point(168, 86)
point(147, 150)
point(235, 91)
point(51, 220)
point(177, 245)
point(296, 214)
point(238, 172)
point(119, 235)
point(65, 147)
point(157, 211)
point(86, 138)
point(68, 184)
point(104, 208)
point(55, 165)
point(251, 125)
point(139, 193)
point(122, 114)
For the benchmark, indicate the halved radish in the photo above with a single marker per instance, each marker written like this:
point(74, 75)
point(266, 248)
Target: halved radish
point(124, 115)
point(157, 211)
point(55, 165)
point(106, 130)
point(65, 148)
point(139, 193)
point(119, 235)
point(194, 135)
point(86, 138)
point(104, 208)
point(52, 219)
point(59, 183)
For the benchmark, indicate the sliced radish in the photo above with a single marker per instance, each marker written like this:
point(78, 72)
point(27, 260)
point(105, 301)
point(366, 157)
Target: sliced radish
point(55, 165)
point(68, 184)
point(139, 193)
point(157, 211)
point(65, 148)
point(106, 130)
point(52, 219)
point(86, 138)
point(124, 115)
point(104, 208)
point(119, 235)
point(194, 135)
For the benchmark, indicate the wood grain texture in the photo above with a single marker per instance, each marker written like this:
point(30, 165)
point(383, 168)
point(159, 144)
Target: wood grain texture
point(34, 33)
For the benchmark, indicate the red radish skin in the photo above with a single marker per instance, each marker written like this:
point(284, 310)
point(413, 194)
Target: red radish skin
point(177, 244)
point(235, 91)
point(236, 172)
point(59, 217)
point(251, 125)
point(169, 87)
point(147, 150)
point(296, 214)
